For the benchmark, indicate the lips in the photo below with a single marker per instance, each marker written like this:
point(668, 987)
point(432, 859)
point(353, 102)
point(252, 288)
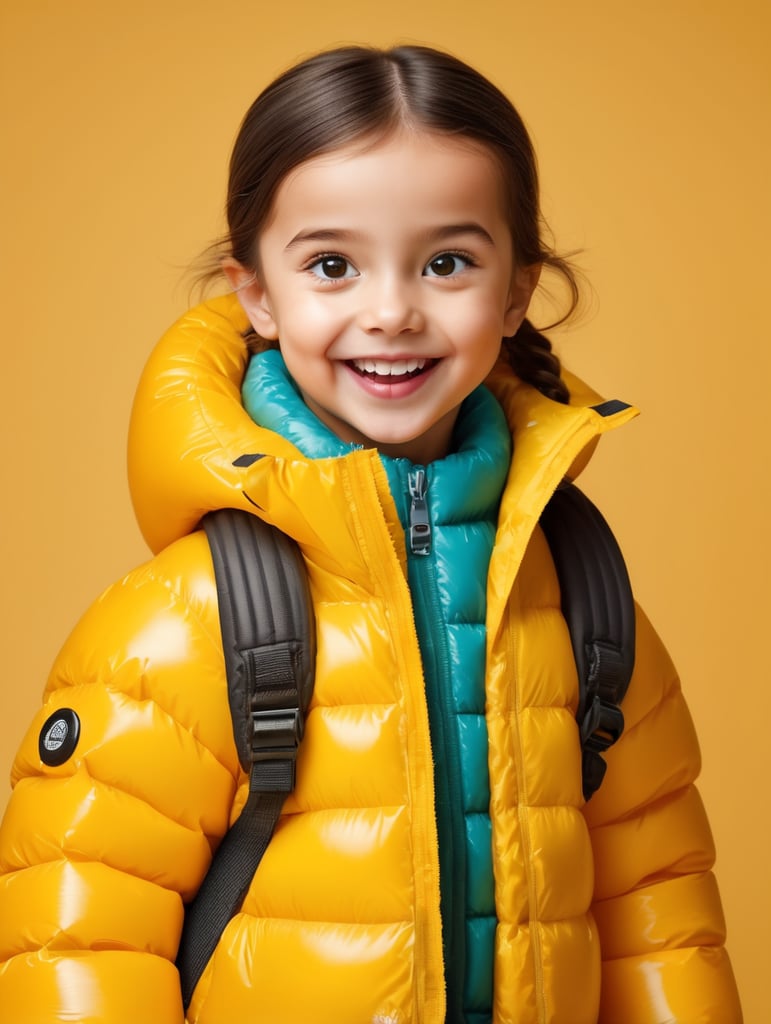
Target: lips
point(391, 370)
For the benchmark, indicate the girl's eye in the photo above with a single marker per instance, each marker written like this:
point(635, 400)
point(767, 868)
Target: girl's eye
point(446, 264)
point(332, 268)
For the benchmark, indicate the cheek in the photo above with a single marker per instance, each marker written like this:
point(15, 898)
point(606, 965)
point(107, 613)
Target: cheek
point(305, 355)
point(479, 327)
point(310, 320)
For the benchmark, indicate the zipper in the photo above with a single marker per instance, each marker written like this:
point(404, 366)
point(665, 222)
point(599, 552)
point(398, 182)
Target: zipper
point(420, 523)
point(376, 489)
point(444, 741)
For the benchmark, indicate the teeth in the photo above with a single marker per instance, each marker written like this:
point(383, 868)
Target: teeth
point(386, 368)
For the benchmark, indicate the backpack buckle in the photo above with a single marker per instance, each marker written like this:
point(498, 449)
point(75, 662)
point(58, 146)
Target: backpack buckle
point(276, 732)
point(276, 735)
point(602, 725)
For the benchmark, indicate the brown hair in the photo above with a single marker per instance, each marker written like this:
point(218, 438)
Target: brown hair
point(338, 96)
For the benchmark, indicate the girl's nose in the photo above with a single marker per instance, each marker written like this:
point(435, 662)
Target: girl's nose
point(390, 307)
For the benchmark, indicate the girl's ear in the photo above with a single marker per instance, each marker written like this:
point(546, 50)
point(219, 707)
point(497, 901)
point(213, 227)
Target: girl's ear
point(252, 296)
point(523, 283)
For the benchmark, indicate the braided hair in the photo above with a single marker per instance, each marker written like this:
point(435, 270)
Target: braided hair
point(531, 357)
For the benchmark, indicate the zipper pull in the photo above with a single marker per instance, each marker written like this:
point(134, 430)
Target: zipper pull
point(420, 524)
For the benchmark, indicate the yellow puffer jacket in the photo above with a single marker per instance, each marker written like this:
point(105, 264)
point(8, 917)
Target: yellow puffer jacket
point(607, 912)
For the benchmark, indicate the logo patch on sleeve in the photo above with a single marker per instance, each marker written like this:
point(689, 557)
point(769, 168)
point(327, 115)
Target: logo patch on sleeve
point(59, 737)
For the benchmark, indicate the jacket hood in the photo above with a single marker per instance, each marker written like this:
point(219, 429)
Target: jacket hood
point(193, 448)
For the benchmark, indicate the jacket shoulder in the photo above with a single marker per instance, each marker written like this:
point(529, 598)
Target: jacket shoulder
point(148, 646)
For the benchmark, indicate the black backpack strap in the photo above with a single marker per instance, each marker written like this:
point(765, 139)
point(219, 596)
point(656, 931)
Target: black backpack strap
point(598, 605)
point(266, 616)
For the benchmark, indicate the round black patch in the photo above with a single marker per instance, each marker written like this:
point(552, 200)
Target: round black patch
point(59, 737)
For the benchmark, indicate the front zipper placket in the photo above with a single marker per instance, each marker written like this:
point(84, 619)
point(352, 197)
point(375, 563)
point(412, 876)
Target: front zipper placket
point(430, 624)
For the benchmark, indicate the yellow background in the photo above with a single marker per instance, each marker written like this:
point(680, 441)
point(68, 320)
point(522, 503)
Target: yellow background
point(652, 126)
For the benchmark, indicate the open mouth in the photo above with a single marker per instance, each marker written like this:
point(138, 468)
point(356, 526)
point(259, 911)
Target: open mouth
point(386, 370)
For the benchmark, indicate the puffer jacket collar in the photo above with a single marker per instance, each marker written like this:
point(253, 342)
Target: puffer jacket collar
point(193, 448)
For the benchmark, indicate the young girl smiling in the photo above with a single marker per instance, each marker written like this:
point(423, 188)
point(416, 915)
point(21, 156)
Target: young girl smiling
point(437, 861)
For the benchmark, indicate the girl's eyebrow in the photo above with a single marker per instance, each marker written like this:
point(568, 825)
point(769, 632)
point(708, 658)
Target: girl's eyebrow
point(339, 235)
point(321, 235)
point(471, 227)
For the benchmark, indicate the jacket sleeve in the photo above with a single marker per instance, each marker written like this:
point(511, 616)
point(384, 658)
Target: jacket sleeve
point(657, 906)
point(98, 853)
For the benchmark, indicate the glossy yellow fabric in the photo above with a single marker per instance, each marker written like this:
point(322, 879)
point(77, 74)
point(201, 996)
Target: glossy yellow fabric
point(607, 913)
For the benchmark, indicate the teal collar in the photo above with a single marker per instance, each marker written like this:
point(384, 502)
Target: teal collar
point(273, 400)
point(482, 438)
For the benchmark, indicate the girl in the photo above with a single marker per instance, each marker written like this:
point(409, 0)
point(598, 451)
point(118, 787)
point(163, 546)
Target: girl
point(437, 861)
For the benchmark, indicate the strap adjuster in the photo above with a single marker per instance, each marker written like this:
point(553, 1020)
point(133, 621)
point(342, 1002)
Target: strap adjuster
point(602, 725)
point(276, 733)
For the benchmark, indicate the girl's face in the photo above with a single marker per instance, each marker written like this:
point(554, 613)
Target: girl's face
point(387, 275)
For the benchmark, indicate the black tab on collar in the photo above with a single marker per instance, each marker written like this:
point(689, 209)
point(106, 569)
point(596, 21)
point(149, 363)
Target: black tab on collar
point(611, 407)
